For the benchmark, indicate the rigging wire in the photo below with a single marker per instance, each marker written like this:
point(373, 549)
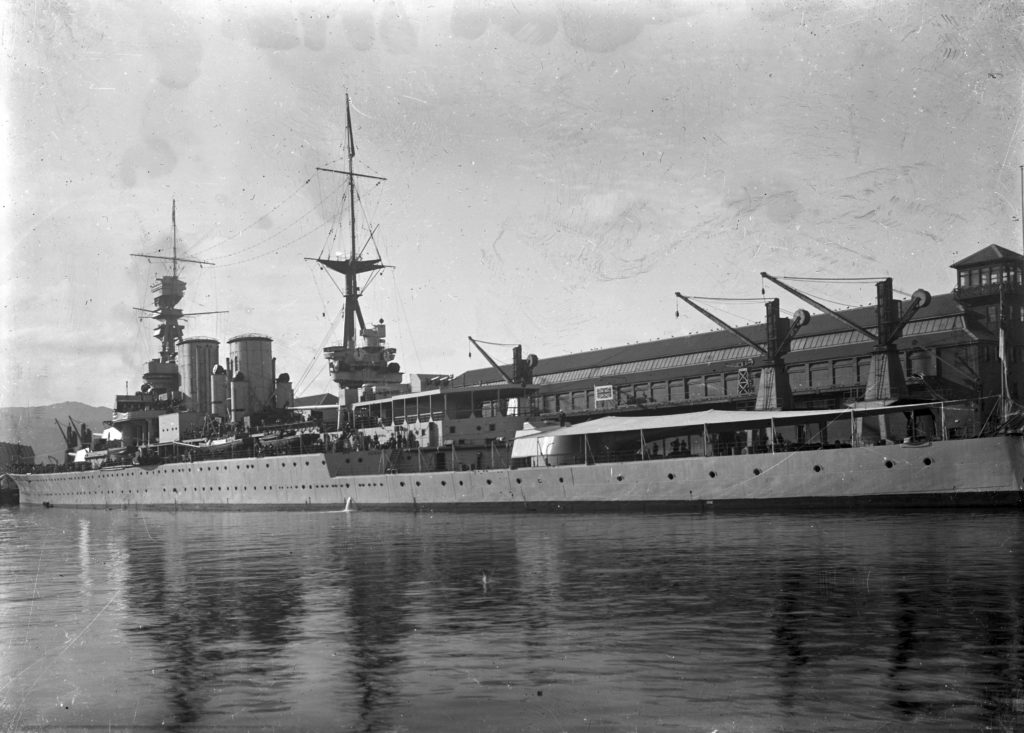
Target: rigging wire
point(845, 279)
point(405, 321)
point(320, 293)
point(276, 249)
point(334, 214)
point(302, 217)
point(314, 378)
point(739, 300)
point(321, 199)
point(211, 246)
point(271, 237)
point(830, 279)
point(837, 303)
point(734, 316)
point(317, 356)
point(494, 343)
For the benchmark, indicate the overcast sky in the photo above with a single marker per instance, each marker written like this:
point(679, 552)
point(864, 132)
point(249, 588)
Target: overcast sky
point(556, 170)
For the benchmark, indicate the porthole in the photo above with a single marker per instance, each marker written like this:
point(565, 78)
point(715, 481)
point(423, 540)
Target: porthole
point(618, 478)
point(444, 483)
point(561, 480)
point(888, 463)
point(671, 476)
point(488, 482)
point(519, 481)
point(817, 469)
point(712, 474)
point(927, 461)
point(757, 471)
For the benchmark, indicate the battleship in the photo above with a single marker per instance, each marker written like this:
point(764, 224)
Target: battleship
point(201, 434)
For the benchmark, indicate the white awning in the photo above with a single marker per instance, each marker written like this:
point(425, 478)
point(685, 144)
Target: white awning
point(532, 441)
point(721, 419)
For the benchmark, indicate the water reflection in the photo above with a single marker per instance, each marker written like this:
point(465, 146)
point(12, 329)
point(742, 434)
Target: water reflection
point(789, 637)
point(382, 622)
point(377, 581)
point(210, 607)
point(904, 626)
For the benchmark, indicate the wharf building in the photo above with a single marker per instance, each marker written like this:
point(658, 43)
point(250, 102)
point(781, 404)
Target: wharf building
point(964, 344)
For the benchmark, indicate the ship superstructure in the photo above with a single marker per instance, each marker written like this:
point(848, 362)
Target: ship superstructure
point(137, 415)
point(186, 403)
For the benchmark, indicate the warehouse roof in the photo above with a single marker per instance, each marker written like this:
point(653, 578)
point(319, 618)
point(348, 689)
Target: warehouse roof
point(942, 315)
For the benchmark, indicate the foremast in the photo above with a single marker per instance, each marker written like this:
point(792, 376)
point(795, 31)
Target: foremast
point(354, 365)
point(162, 376)
point(137, 415)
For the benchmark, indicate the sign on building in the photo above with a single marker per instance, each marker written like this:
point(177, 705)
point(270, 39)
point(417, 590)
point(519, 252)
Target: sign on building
point(605, 393)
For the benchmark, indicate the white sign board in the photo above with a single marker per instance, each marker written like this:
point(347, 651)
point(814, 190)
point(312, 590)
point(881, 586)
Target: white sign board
point(605, 393)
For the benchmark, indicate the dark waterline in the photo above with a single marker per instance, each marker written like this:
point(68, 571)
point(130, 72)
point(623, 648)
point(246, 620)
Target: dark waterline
point(506, 622)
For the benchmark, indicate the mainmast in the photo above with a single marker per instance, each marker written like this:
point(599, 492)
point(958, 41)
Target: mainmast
point(351, 285)
point(352, 365)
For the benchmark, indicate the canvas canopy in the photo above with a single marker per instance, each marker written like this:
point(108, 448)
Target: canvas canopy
point(532, 441)
point(721, 420)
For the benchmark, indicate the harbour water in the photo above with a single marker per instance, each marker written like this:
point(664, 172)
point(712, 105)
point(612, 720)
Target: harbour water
point(511, 622)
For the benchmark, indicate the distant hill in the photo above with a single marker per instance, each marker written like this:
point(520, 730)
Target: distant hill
point(35, 426)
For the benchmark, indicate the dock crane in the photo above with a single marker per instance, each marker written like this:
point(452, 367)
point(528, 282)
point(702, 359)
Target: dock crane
point(886, 381)
point(522, 369)
point(773, 390)
point(75, 437)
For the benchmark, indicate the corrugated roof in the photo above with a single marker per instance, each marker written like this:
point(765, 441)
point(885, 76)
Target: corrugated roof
point(943, 314)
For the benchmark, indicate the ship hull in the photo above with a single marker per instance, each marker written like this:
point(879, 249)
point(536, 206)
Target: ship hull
point(970, 472)
point(295, 480)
